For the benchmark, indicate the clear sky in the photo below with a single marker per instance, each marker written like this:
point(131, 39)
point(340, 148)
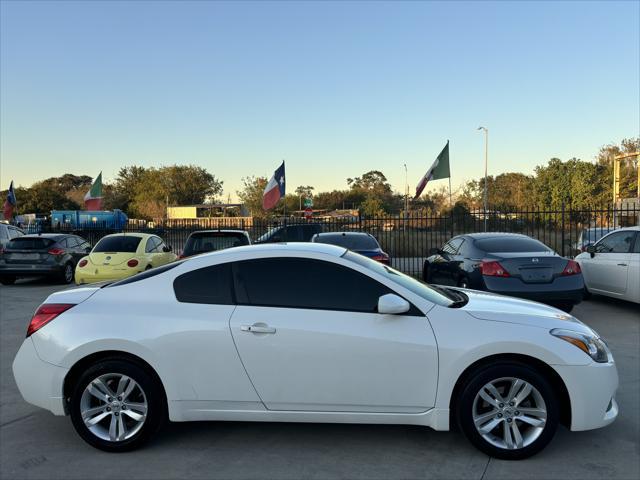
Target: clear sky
point(335, 88)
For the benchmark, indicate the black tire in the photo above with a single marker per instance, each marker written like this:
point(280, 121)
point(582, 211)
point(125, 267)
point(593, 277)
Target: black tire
point(68, 274)
point(586, 294)
point(155, 397)
point(425, 271)
point(477, 380)
point(7, 280)
point(564, 306)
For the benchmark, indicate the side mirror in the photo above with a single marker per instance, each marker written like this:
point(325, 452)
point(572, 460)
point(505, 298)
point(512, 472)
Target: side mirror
point(434, 251)
point(391, 304)
point(591, 250)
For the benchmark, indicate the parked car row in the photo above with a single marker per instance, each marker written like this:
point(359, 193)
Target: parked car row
point(503, 263)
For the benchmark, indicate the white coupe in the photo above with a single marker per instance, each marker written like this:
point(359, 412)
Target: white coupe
point(311, 333)
point(611, 267)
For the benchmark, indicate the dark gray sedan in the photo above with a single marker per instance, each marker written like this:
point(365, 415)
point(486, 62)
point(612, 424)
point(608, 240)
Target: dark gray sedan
point(50, 255)
point(509, 264)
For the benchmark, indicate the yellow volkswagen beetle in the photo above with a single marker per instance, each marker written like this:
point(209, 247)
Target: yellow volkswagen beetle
point(121, 255)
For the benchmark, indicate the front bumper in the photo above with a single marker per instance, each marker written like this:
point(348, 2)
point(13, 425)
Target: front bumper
point(40, 383)
point(592, 390)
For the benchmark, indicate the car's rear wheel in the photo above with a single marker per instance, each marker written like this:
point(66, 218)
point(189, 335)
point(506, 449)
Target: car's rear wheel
point(7, 280)
point(67, 274)
point(508, 411)
point(117, 405)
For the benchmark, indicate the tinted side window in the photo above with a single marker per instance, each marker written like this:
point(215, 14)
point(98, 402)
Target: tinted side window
point(151, 245)
point(305, 283)
point(636, 247)
point(210, 285)
point(63, 243)
point(452, 245)
point(72, 242)
point(619, 242)
point(15, 233)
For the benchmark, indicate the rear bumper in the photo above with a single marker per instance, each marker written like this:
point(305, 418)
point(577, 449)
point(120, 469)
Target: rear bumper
point(29, 270)
point(88, 275)
point(562, 289)
point(40, 383)
point(592, 390)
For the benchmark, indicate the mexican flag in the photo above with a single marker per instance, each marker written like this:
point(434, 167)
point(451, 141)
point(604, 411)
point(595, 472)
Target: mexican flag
point(93, 198)
point(439, 169)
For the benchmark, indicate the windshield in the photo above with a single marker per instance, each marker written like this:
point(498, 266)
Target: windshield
point(210, 242)
point(120, 243)
point(352, 241)
point(29, 243)
point(439, 296)
point(510, 244)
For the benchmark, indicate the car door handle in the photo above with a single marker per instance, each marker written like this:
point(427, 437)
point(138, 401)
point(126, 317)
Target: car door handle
point(257, 329)
point(622, 264)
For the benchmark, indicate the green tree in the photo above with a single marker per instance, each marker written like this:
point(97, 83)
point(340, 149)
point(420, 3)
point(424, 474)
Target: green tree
point(173, 185)
point(251, 195)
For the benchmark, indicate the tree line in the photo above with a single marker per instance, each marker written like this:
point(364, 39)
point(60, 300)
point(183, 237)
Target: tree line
point(146, 192)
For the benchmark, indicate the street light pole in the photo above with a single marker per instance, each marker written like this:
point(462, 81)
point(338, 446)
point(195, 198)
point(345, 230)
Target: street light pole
point(486, 162)
point(406, 191)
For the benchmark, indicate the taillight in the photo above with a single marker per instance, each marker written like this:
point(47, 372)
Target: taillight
point(45, 314)
point(572, 268)
point(493, 269)
point(55, 251)
point(132, 263)
point(83, 262)
point(383, 258)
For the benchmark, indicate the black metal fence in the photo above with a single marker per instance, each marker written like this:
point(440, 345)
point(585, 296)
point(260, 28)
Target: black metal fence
point(408, 239)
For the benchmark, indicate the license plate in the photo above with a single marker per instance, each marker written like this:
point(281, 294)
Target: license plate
point(536, 275)
point(25, 256)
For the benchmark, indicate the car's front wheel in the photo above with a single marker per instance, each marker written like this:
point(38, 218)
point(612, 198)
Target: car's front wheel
point(508, 411)
point(117, 405)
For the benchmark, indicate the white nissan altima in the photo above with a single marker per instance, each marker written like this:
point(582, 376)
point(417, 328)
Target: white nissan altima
point(311, 333)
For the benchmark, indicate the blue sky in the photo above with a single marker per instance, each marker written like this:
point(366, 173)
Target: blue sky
point(335, 88)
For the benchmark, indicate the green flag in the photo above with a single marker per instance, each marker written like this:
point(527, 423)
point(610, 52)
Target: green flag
point(439, 169)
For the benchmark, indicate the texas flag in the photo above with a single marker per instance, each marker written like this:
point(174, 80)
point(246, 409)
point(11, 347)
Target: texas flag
point(9, 203)
point(274, 190)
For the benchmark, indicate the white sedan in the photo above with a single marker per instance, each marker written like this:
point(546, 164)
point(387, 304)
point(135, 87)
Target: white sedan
point(611, 267)
point(311, 333)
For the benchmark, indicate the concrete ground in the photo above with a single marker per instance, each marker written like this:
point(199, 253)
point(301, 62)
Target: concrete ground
point(35, 444)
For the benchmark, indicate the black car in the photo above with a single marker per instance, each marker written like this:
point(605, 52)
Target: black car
point(51, 255)
point(212, 240)
point(359, 242)
point(291, 233)
point(509, 264)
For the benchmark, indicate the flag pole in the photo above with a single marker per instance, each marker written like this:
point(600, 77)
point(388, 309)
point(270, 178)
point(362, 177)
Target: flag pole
point(450, 201)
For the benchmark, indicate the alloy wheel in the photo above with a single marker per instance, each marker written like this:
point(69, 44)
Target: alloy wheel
point(113, 407)
point(68, 273)
point(509, 413)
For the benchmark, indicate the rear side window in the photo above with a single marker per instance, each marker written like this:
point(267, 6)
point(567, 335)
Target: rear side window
point(352, 242)
point(452, 245)
point(636, 247)
point(210, 285)
point(511, 245)
point(123, 243)
point(306, 283)
point(211, 242)
point(4, 232)
point(15, 233)
point(29, 243)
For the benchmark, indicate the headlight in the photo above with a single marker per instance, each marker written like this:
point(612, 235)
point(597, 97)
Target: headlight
point(592, 345)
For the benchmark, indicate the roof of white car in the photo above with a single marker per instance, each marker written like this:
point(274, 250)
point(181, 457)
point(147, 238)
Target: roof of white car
point(301, 247)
